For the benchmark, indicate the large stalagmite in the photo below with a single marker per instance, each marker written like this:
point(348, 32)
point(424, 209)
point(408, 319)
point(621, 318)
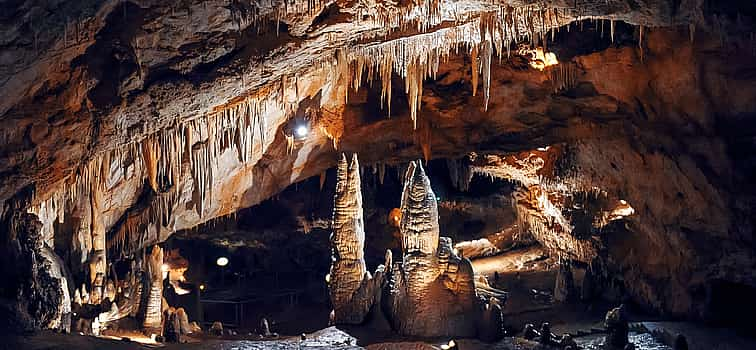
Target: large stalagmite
point(34, 294)
point(432, 289)
point(353, 290)
point(153, 292)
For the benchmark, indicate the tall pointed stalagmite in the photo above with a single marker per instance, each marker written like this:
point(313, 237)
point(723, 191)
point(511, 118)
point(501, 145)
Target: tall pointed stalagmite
point(432, 291)
point(420, 304)
point(353, 291)
point(419, 225)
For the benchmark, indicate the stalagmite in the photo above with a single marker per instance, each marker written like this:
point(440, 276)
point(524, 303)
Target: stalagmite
point(353, 290)
point(36, 301)
point(153, 310)
point(419, 225)
point(432, 291)
point(98, 261)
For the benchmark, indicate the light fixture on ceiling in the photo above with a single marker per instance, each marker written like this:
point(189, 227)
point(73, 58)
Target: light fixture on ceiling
point(222, 261)
point(301, 131)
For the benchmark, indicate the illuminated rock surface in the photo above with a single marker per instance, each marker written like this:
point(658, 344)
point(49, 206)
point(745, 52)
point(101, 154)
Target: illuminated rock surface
point(353, 289)
point(122, 123)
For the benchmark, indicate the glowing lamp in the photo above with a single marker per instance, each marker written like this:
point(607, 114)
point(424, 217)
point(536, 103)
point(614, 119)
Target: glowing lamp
point(301, 131)
point(328, 278)
point(450, 345)
point(202, 287)
point(165, 268)
point(222, 261)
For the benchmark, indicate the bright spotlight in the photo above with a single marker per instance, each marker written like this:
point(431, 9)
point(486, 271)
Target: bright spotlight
point(222, 261)
point(450, 345)
point(301, 131)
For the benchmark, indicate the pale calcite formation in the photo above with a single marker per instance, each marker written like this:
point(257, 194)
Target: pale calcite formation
point(153, 309)
point(431, 292)
point(432, 289)
point(353, 290)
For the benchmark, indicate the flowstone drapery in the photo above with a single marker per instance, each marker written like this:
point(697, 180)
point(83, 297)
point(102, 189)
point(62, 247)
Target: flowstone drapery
point(431, 291)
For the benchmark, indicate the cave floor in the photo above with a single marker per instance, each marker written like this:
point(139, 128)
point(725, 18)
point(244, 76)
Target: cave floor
point(661, 333)
point(528, 274)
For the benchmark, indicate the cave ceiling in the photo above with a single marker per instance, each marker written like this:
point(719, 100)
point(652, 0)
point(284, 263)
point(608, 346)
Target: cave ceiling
point(143, 118)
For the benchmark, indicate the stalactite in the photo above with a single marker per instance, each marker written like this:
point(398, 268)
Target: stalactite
point(158, 158)
point(475, 69)
point(611, 25)
point(289, 143)
point(640, 41)
point(417, 57)
point(414, 89)
point(563, 76)
point(149, 155)
point(460, 173)
point(486, 53)
point(381, 172)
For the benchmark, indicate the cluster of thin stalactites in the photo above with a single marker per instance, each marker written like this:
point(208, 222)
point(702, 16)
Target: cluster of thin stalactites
point(159, 158)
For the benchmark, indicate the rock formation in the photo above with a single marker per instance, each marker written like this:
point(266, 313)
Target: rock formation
point(132, 120)
point(153, 292)
point(34, 294)
point(617, 328)
point(432, 288)
point(352, 289)
point(431, 291)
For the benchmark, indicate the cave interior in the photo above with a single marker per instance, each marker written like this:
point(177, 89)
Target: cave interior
point(335, 174)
